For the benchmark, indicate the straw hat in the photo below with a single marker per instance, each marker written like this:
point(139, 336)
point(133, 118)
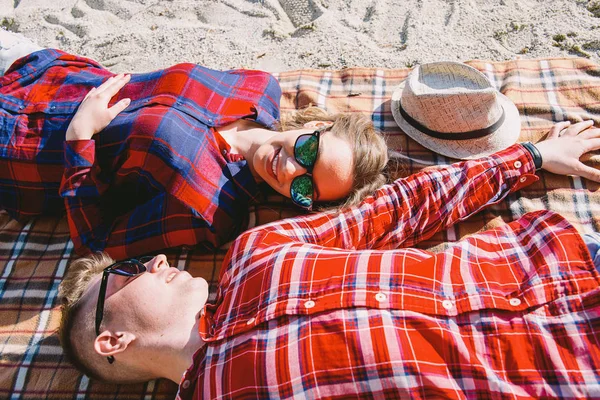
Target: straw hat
point(453, 109)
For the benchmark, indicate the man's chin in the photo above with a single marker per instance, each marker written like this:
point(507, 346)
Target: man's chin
point(196, 293)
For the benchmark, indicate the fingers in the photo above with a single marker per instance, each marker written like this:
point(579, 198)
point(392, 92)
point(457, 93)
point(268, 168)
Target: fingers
point(588, 173)
point(118, 107)
point(92, 91)
point(590, 133)
point(592, 144)
point(576, 129)
point(112, 85)
point(100, 89)
point(555, 130)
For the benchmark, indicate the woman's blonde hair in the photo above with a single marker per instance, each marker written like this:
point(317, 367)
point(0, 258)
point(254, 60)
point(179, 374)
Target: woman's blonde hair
point(368, 147)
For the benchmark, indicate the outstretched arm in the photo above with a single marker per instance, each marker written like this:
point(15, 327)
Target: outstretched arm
point(414, 208)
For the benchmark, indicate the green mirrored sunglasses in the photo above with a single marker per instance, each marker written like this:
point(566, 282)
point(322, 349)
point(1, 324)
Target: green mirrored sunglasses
point(306, 150)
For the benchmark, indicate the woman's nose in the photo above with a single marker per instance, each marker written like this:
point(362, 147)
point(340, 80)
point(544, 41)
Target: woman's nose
point(292, 169)
point(157, 263)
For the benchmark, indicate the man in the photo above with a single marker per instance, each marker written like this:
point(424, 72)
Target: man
point(328, 306)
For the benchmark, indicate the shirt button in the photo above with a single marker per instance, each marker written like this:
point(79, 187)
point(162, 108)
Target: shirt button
point(224, 152)
point(210, 120)
point(522, 179)
point(518, 164)
point(21, 107)
point(52, 107)
point(309, 304)
point(250, 321)
point(185, 384)
point(380, 297)
point(448, 304)
point(515, 302)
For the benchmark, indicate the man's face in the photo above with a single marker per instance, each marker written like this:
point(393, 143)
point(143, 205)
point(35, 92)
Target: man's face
point(160, 303)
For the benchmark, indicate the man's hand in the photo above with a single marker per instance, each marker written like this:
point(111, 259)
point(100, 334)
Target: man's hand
point(565, 145)
point(94, 114)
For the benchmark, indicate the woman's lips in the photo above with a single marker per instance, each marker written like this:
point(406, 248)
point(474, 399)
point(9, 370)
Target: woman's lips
point(273, 164)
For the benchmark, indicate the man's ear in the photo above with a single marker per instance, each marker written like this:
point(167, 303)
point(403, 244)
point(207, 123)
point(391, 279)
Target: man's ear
point(109, 343)
point(317, 124)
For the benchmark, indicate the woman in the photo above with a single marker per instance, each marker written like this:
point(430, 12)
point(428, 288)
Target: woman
point(180, 161)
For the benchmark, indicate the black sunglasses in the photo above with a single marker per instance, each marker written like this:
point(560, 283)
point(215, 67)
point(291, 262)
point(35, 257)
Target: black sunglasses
point(306, 150)
point(131, 267)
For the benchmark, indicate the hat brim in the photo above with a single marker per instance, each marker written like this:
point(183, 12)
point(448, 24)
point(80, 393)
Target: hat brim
point(468, 149)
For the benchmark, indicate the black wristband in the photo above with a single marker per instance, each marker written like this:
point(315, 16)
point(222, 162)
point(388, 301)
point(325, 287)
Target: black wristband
point(535, 154)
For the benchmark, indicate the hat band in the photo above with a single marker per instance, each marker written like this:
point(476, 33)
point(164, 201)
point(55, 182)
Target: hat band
point(478, 133)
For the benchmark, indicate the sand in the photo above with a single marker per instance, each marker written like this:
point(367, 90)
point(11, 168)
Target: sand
point(277, 35)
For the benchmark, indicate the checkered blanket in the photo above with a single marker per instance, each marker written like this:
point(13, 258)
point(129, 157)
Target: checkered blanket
point(34, 257)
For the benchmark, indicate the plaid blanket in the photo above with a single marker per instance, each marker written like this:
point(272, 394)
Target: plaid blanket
point(34, 257)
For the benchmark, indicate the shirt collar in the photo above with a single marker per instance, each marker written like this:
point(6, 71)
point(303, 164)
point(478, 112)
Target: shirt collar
point(238, 169)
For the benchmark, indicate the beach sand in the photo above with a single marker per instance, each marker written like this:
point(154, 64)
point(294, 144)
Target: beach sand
point(278, 35)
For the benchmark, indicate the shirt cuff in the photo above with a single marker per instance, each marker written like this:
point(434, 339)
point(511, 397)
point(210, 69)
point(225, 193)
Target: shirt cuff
point(79, 153)
point(518, 165)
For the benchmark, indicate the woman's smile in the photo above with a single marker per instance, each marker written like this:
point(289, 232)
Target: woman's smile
point(275, 163)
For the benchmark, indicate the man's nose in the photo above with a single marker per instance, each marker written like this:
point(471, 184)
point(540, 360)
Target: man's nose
point(157, 263)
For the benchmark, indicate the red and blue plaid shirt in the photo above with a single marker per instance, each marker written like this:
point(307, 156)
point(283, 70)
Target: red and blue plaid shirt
point(330, 306)
point(158, 176)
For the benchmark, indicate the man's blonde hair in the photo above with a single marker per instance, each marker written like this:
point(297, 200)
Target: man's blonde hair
point(368, 148)
point(77, 279)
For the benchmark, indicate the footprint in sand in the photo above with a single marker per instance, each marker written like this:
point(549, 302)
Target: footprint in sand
point(77, 12)
point(452, 15)
point(358, 15)
point(109, 6)
point(75, 28)
point(301, 12)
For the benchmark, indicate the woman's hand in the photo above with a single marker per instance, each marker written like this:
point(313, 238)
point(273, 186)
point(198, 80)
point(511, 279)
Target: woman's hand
point(565, 145)
point(94, 114)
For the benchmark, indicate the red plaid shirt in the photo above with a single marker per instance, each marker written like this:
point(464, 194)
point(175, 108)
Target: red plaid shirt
point(328, 306)
point(158, 176)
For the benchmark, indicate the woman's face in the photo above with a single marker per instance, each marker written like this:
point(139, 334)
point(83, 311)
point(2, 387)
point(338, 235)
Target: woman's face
point(275, 164)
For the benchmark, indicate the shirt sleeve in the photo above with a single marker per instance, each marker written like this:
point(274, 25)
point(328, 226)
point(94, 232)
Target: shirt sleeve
point(79, 161)
point(411, 209)
point(160, 222)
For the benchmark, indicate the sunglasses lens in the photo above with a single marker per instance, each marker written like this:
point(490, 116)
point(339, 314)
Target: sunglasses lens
point(301, 191)
point(128, 268)
point(306, 149)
